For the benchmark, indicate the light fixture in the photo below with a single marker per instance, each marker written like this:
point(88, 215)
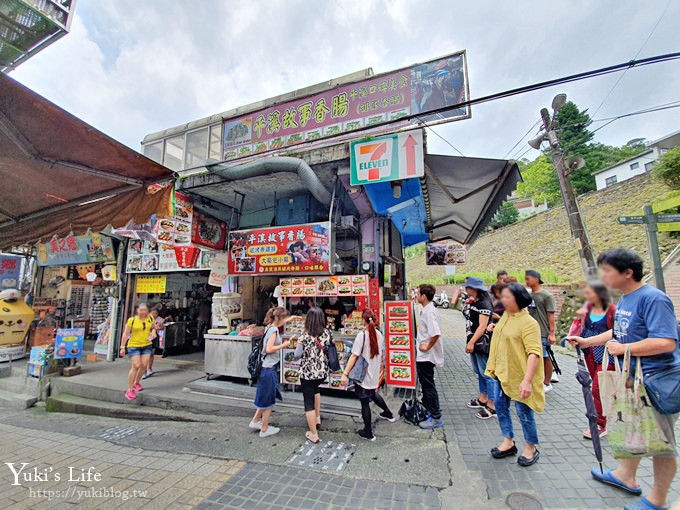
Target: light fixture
point(559, 101)
point(396, 189)
point(536, 142)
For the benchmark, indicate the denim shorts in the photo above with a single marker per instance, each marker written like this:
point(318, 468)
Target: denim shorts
point(545, 343)
point(139, 351)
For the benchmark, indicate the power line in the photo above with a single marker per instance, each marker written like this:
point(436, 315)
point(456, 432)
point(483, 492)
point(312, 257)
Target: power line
point(636, 56)
point(520, 140)
point(440, 136)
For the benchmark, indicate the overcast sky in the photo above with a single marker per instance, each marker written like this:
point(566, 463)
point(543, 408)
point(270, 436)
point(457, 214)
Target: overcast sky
point(133, 67)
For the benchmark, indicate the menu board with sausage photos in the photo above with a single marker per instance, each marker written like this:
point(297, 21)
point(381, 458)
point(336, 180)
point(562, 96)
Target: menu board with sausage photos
point(400, 363)
point(353, 285)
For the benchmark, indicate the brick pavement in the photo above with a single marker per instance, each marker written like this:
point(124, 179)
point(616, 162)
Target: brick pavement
point(130, 478)
point(561, 478)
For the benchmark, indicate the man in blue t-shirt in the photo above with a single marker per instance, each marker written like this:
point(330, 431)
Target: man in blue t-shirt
point(644, 318)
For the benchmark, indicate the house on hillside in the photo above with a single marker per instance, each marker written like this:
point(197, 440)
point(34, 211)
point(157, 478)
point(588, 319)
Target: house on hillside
point(638, 164)
point(527, 206)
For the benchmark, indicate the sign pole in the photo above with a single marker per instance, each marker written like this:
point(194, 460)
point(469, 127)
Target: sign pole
point(652, 229)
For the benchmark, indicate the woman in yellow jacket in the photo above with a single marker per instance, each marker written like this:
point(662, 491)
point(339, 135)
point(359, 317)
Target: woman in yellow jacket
point(515, 361)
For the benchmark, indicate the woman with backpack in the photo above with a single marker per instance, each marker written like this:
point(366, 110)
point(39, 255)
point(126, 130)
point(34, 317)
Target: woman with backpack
point(595, 317)
point(268, 381)
point(367, 351)
point(312, 349)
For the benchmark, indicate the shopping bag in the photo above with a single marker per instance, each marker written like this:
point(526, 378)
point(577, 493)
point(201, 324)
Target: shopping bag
point(632, 425)
point(413, 411)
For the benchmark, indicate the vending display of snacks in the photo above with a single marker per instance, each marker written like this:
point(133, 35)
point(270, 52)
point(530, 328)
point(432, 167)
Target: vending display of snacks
point(399, 344)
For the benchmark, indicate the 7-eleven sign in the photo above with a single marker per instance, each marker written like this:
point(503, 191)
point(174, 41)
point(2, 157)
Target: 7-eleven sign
point(387, 158)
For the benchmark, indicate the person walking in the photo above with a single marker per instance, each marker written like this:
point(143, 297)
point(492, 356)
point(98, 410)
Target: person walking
point(312, 349)
point(644, 322)
point(514, 361)
point(369, 345)
point(477, 312)
point(594, 318)
point(430, 354)
point(159, 320)
point(542, 309)
point(268, 383)
point(137, 342)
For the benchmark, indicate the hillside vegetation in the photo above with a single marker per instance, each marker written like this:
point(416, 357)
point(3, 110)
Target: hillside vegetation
point(544, 242)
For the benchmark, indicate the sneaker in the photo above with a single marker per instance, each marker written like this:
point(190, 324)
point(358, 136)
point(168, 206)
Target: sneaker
point(148, 373)
point(270, 431)
point(389, 417)
point(368, 436)
point(554, 378)
point(548, 388)
point(255, 425)
point(431, 423)
point(130, 395)
point(137, 387)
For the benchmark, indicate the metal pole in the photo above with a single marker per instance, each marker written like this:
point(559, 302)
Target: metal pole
point(652, 228)
point(576, 224)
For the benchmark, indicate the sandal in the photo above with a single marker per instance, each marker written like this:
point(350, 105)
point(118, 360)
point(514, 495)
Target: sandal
point(475, 403)
point(312, 438)
point(486, 413)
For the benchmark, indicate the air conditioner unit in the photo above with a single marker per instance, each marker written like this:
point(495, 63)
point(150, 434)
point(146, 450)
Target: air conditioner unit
point(349, 221)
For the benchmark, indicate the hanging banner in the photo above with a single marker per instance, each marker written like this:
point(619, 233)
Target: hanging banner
point(10, 272)
point(445, 253)
point(219, 270)
point(292, 249)
point(152, 257)
point(69, 343)
point(208, 231)
point(73, 250)
point(151, 284)
point(409, 93)
point(400, 359)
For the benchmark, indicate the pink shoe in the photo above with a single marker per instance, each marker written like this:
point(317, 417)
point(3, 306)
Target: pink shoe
point(130, 394)
point(137, 387)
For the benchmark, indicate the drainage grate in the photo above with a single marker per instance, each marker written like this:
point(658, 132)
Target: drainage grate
point(403, 393)
point(328, 456)
point(116, 433)
point(521, 501)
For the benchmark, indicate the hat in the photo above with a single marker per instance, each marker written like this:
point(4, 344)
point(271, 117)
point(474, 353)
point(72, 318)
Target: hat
point(535, 274)
point(474, 282)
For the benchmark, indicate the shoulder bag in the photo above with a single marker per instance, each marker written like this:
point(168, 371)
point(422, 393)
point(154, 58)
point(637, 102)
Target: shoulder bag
point(483, 345)
point(331, 352)
point(358, 372)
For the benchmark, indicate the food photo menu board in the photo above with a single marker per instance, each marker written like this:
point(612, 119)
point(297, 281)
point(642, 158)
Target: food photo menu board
point(325, 286)
point(400, 362)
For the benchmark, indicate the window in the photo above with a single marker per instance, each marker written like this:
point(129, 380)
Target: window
point(196, 149)
point(610, 181)
point(634, 166)
point(174, 153)
point(216, 142)
point(154, 151)
point(649, 166)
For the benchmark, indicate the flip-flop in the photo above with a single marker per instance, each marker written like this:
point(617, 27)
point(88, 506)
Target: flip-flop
point(608, 478)
point(310, 437)
point(644, 504)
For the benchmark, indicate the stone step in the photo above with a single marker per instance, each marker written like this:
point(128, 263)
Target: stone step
point(17, 400)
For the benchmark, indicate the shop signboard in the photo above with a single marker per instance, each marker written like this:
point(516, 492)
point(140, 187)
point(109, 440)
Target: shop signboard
point(10, 272)
point(294, 249)
point(405, 94)
point(73, 250)
point(208, 231)
point(151, 284)
point(69, 343)
point(445, 253)
point(153, 257)
point(219, 270)
point(387, 158)
point(325, 286)
point(400, 360)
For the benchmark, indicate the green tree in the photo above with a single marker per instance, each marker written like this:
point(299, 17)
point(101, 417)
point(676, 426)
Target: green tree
point(667, 168)
point(540, 181)
point(506, 215)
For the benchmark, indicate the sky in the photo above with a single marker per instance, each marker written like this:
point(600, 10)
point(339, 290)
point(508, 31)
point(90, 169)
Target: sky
point(131, 68)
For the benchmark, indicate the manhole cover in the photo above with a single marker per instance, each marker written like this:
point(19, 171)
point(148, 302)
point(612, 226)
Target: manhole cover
point(324, 456)
point(116, 433)
point(520, 501)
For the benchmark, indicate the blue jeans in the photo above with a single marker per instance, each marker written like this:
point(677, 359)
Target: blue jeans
point(524, 413)
point(487, 385)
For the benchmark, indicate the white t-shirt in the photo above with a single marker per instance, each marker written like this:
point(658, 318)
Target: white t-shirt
point(362, 347)
point(428, 326)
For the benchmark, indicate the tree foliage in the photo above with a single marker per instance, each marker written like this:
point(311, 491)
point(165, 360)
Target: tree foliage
point(507, 214)
point(667, 168)
point(576, 139)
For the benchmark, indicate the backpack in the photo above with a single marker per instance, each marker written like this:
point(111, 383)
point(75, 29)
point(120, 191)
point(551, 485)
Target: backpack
point(256, 357)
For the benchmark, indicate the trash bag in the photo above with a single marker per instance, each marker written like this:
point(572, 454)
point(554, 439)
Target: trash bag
point(413, 411)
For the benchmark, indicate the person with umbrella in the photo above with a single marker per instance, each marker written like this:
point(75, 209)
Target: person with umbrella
point(594, 318)
point(515, 361)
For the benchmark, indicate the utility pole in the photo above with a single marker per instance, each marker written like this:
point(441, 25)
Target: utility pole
point(576, 223)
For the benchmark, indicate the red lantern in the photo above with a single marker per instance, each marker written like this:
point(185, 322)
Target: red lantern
point(187, 256)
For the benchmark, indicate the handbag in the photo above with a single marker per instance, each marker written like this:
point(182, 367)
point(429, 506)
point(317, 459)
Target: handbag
point(358, 372)
point(413, 411)
point(331, 352)
point(631, 419)
point(483, 345)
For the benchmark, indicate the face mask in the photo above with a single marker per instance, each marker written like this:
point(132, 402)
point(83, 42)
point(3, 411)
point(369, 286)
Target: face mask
point(333, 300)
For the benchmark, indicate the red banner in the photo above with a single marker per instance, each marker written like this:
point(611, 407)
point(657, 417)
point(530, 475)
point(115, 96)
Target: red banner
point(294, 249)
point(400, 359)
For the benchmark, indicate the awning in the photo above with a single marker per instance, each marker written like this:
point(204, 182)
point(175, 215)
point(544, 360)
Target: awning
point(60, 174)
point(457, 198)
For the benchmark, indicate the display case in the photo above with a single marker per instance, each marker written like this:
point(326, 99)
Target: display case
point(227, 355)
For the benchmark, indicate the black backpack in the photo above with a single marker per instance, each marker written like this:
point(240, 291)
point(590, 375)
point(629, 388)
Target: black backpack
point(256, 357)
